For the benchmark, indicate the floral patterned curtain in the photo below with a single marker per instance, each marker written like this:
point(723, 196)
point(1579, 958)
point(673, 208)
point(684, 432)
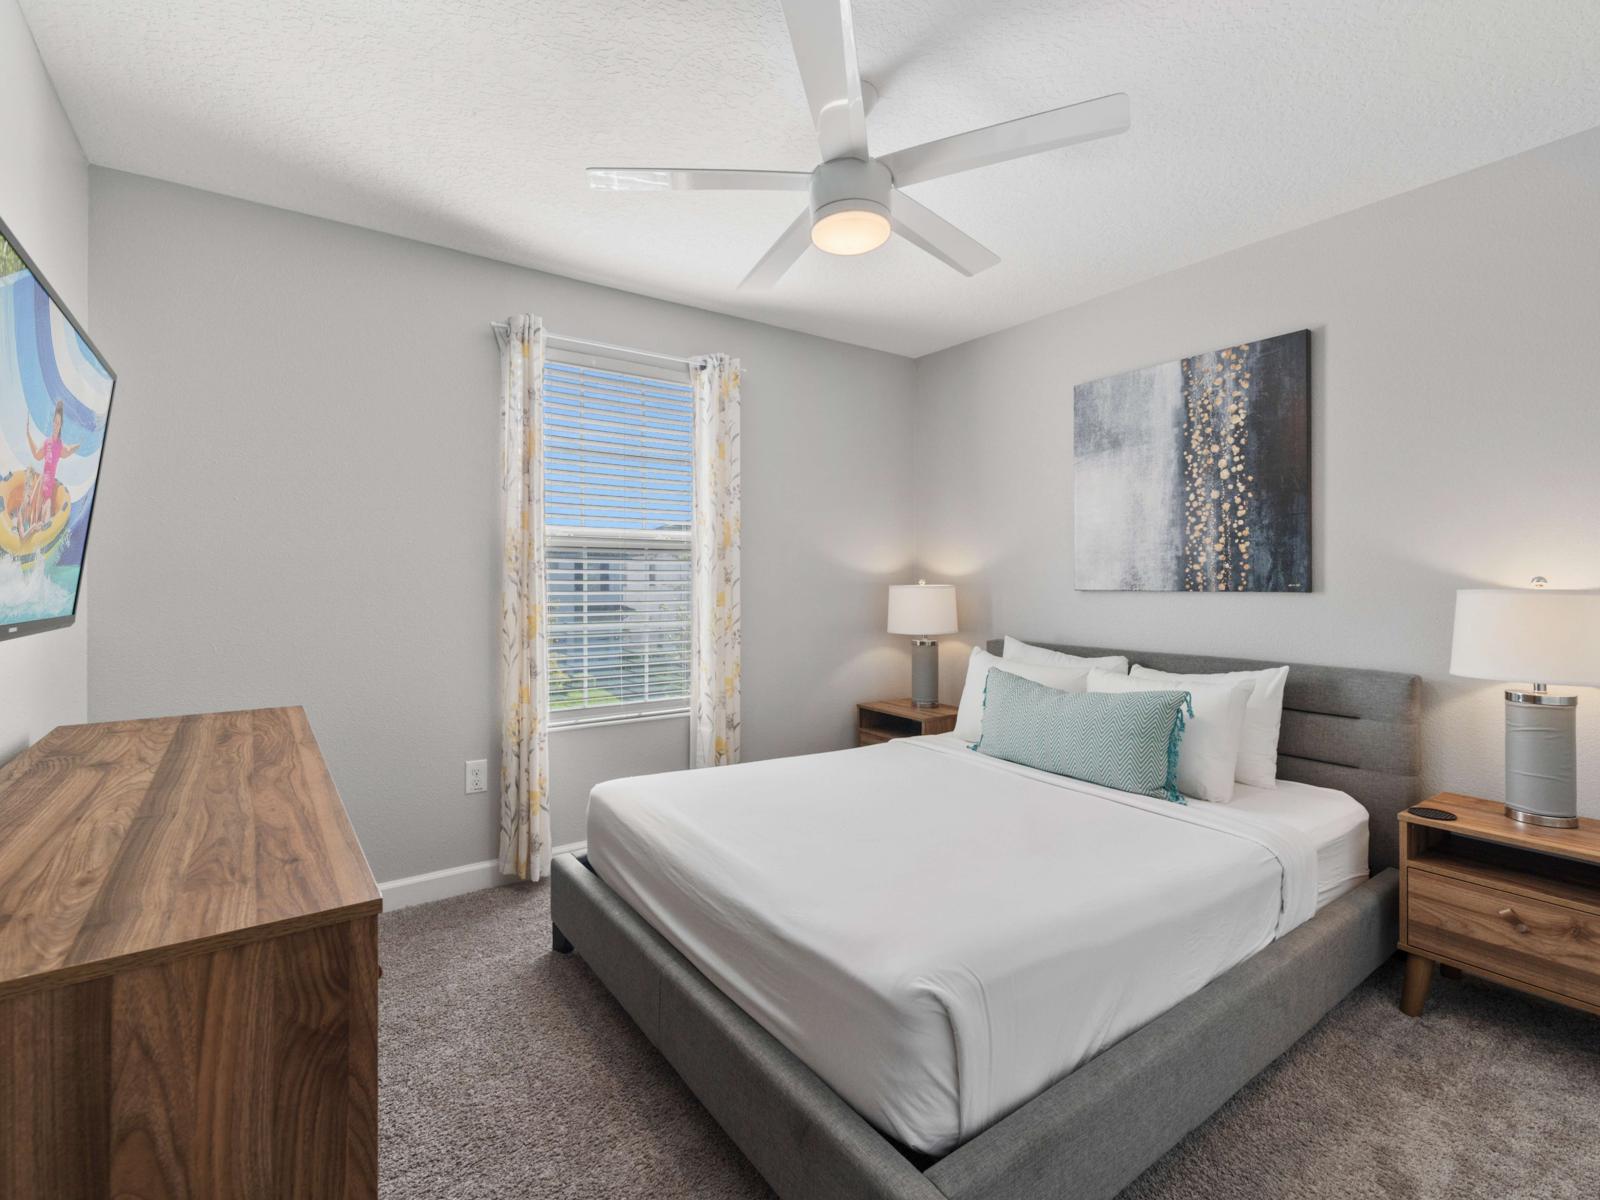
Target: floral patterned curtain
point(524, 677)
point(714, 704)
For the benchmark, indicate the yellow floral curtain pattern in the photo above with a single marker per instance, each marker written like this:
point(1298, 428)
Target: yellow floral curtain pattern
point(524, 677)
point(714, 704)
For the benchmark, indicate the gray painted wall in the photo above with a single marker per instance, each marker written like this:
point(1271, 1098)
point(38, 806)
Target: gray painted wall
point(307, 419)
point(1455, 432)
point(44, 198)
point(300, 505)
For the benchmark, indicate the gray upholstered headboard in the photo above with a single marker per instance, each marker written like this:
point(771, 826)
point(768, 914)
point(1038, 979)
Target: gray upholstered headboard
point(1343, 727)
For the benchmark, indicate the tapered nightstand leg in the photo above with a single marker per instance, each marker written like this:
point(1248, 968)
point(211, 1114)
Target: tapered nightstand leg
point(1419, 978)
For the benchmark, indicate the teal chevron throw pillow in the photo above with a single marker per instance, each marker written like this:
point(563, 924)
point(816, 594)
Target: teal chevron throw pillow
point(1123, 740)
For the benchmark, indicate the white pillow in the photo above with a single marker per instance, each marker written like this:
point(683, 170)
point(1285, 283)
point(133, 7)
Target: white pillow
point(969, 717)
point(1209, 751)
point(1263, 717)
point(1016, 651)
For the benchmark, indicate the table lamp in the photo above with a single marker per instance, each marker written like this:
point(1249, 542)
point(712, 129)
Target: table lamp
point(1535, 633)
point(924, 610)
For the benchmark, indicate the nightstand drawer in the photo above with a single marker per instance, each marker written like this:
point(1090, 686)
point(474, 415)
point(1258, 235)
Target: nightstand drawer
point(1531, 941)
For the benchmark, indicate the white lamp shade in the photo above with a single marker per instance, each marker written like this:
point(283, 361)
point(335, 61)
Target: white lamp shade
point(1527, 635)
point(922, 609)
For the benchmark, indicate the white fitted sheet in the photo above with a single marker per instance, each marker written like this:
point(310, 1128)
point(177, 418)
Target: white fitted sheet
point(941, 935)
point(1335, 821)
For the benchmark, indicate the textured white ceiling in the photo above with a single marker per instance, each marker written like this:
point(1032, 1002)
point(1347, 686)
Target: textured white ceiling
point(468, 123)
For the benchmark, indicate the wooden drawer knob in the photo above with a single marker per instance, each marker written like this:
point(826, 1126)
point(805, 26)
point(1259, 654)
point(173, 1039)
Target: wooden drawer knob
point(1510, 914)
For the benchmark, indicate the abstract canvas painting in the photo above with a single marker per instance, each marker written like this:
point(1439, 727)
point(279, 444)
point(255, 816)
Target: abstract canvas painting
point(1195, 475)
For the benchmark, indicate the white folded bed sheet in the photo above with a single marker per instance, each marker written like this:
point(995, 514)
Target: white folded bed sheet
point(940, 935)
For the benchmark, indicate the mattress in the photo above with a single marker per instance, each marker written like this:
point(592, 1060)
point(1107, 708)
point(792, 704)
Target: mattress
point(940, 935)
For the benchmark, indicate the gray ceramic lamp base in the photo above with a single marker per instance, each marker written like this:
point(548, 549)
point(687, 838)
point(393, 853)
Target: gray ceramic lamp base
point(1542, 759)
point(924, 673)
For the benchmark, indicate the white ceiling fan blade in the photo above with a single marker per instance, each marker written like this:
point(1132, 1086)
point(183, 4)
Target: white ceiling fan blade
point(926, 229)
point(825, 49)
point(1011, 139)
point(785, 252)
point(664, 179)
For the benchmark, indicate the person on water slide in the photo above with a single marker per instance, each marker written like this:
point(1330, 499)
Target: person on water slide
point(39, 503)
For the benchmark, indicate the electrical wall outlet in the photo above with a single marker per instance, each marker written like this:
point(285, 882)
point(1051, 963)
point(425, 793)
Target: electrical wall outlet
point(477, 776)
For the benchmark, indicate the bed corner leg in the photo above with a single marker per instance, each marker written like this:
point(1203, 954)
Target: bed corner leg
point(558, 940)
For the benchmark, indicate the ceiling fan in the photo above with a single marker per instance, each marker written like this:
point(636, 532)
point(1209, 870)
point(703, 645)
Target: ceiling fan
point(856, 199)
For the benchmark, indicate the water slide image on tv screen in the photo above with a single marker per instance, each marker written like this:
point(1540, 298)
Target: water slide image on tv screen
point(55, 395)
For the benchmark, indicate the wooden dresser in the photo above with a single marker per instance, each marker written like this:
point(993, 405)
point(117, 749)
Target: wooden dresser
point(188, 966)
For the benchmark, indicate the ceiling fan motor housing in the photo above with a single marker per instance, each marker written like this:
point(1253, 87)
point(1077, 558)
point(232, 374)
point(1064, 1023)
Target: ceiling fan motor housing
point(850, 185)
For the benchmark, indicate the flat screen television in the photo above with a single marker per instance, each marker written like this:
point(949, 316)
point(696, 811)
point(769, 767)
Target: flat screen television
point(55, 400)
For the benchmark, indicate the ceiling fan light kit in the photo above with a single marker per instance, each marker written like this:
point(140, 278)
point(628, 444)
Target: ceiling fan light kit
point(850, 206)
point(850, 227)
point(856, 200)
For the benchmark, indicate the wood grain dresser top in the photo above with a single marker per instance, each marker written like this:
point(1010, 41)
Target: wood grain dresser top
point(139, 840)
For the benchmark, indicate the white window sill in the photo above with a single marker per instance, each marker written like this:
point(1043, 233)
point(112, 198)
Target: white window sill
point(557, 724)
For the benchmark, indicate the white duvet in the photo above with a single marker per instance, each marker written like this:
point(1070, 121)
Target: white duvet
point(941, 935)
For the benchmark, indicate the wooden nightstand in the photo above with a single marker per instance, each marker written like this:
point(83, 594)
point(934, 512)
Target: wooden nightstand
point(885, 720)
point(1514, 903)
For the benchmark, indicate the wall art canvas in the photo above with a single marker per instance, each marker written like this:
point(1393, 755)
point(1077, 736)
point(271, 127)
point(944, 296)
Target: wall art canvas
point(55, 396)
point(1195, 475)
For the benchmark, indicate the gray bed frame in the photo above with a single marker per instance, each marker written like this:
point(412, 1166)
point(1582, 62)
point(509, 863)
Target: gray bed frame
point(1089, 1135)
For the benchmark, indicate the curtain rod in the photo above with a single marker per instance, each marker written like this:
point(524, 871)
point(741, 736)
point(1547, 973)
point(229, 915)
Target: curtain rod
point(504, 330)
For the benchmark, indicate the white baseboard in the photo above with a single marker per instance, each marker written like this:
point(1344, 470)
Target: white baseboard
point(452, 881)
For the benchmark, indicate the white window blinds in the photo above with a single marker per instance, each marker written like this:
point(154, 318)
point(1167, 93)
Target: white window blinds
point(619, 468)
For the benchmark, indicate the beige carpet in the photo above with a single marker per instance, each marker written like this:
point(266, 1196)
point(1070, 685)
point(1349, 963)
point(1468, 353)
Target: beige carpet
point(507, 1071)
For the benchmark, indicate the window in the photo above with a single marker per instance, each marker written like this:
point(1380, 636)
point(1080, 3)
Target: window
point(619, 476)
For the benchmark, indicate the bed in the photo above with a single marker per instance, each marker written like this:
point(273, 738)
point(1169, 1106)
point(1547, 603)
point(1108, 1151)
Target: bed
point(938, 1066)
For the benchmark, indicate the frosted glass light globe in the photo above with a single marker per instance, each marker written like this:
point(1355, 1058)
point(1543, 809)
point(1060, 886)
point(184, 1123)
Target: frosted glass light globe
point(850, 231)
